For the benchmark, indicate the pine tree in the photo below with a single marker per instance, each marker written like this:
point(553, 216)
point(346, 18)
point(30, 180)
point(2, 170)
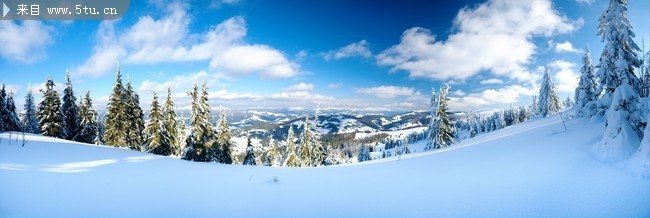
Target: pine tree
point(619, 57)
point(586, 90)
point(134, 118)
point(249, 159)
point(432, 131)
point(8, 118)
point(549, 103)
point(201, 136)
point(442, 134)
point(170, 125)
point(154, 131)
point(363, 154)
point(70, 110)
point(534, 108)
point(3, 109)
point(292, 159)
point(116, 118)
point(274, 153)
point(223, 147)
point(12, 122)
point(625, 123)
point(29, 121)
point(88, 127)
point(305, 148)
point(49, 112)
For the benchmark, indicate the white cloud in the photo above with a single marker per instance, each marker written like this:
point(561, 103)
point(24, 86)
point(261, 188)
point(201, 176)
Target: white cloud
point(164, 40)
point(300, 87)
point(335, 85)
point(359, 49)
point(565, 46)
point(491, 81)
point(25, 41)
point(491, 98)
point(459, 93)
point(566, 80)
point(182, 82)
point(585, 1)
point(387, 91)
point(495, 36)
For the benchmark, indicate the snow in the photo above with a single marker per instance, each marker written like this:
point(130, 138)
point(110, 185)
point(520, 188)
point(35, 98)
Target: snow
point(397, 134)
point(531, 169)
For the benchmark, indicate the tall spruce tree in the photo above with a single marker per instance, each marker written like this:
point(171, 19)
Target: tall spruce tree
point(155, 131)
point(49, 112)
point(433, 129)
point(619, 58)
point(29, 121)
point(201, 136)
point(70, 110)
point(292, 159)
point(8, 118)
point(12, 122)
point(170, 125)
point(134, 118)
point(249, 158)
point(305, 149)
point(116, 118)
point(586, 90)
point(549, 103)
point(3, 108)
point(88, 126)
point(222, 149)
point(442, 133)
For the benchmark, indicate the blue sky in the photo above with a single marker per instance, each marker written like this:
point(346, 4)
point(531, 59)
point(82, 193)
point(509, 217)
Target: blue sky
point(356, 55)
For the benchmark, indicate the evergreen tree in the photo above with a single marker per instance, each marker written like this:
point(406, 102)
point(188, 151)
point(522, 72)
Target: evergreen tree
point(274, 153)
point(134, 118)
point(29, 121)
point(12, 122)
point(305, 148)
point(549, 103)
point(645, 76)
point(442, 136)
point(49, 112)
point(88, 126)
point(534, 108)
point(201, 136)
point(3, 109)
point(70, 110)
point(433, 128)
point(116, 118)
point(249, 158)
point(292, 159)
point(170, 125)
point(619, 58)
point(363, 154)
point(625, 123)
point(222, 151)
point(155, 131)
point(586, 90)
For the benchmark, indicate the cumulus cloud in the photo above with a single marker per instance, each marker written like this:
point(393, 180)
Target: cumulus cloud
point(565, 46)
point(566, 79)
point(300, 87)
point(357, 49)
point(491, 81)
point(182, 82)
point(491, 98)
point(167, 39)
point(25, 41)
point(387, 91)
point(494, 36)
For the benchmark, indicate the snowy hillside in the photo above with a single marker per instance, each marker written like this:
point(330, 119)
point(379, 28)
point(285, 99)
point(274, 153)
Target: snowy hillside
point(530, 169)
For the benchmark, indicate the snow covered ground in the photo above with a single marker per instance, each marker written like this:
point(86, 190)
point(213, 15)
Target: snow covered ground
point(531, 169)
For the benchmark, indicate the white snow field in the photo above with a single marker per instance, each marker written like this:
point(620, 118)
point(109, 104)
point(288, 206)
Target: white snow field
point(534, 169)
